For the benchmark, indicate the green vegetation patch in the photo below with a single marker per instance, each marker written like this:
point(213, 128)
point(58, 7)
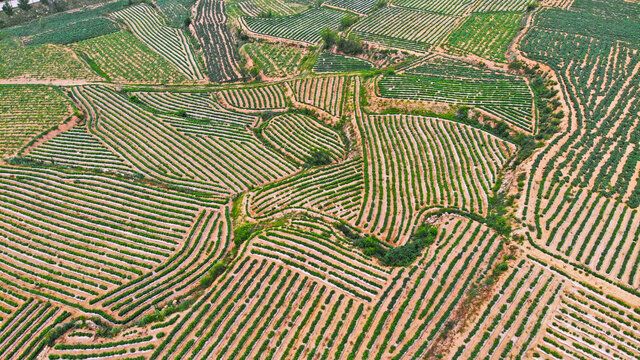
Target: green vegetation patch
point(486, 35)
point(41, 62)
point(176, 11)
point(275, 60)
point(41, 107)
point(124, 58)
point(71, 26)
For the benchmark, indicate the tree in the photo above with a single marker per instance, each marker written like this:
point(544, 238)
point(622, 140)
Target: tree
point(350, 45)
point(24, 5)
point(319, 157)
point(7, 8)
point(329, 36)
point(347, 21)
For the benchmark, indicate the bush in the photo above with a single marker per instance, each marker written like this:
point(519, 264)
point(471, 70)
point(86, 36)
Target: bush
point(242, 233)
point(347, 21)
point(319, 157)
point(329, 37)
point(350, 45)
point(216, 270)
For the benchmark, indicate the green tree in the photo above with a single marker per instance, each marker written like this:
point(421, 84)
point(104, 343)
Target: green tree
point(319, 157)
point(24, 5)
point(329, 36)
point(7, 8)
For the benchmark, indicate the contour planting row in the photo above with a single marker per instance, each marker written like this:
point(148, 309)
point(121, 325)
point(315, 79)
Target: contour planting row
point(509, 99)
point(486, 35)
point(358, 6)
point(502, 5)
point(260, 7)
point(450, 7)
point(415, 162)
point(601, 78)
point(153, 146)
point(590, 325)
point(121, 57)
point(323, 257)
point(335, 63)
point(299, 136)
point(170, 43)
point(110, 232)
point(23, 335)
point(265, 295)
point(325, 93)
point(207, 242)
point(511, 319)
point(594, 230)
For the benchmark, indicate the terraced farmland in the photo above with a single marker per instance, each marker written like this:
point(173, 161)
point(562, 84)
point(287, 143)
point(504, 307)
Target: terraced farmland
point(40, 109)
point(304, 27)
point(124, 58)
point(170, 43)
point(275, 60)
point(257, 179)
point(439, 80)
point(335, 63)
point(404, 28)
point(219, 53)
point(486, 35)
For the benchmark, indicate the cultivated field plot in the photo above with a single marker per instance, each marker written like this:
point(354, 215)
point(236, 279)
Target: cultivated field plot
point(324, 93)
point(219, 53)
point(258, 98)
point(304, 27)
point(259, 7)
point(77, 148)
point(501, 5)
point(336, 63)
point(414, 162)
point(440, 80)
point(170, 43)
point(595, 167)
point(27, 111)
point(275, 60)
point(404, 28)
point(69, 27)
point(204, 115)
point(156, 148)
point(209, 179)
point(123, 58)
point(176, 11)
point(298, 135)
point(486, 35)
point(42, 62)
